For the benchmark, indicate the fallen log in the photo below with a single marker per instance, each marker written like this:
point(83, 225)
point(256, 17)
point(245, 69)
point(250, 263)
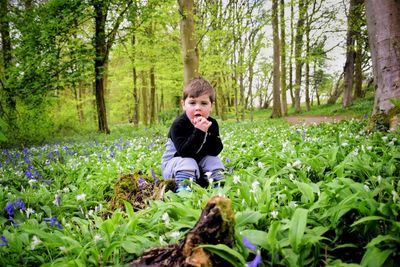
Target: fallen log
point(215, 226)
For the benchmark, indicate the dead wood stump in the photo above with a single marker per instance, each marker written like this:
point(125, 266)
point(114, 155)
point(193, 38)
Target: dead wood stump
point(215, 226)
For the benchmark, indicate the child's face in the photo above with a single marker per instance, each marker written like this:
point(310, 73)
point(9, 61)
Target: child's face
point(197, 106)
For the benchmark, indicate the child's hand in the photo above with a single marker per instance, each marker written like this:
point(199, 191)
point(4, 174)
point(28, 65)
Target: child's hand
point(201, 123)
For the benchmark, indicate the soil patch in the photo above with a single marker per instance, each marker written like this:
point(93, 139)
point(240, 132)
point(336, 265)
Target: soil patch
point(316, 119)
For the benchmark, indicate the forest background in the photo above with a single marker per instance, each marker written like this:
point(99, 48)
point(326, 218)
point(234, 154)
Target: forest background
point(72, 67)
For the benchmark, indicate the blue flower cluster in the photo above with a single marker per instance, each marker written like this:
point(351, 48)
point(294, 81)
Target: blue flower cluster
point(257, 259)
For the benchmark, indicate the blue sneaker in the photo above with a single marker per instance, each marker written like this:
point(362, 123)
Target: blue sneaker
point(183, 188)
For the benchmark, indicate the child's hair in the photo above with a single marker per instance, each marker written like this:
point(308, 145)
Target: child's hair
point(197, 87)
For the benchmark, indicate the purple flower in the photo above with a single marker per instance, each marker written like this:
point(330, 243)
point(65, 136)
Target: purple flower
point(255, 262)
point(53, 221)
point(4, 240)
point(19, 203)
point(248, 244)
point(228, 160)
point(142, 180)
point(10, 209)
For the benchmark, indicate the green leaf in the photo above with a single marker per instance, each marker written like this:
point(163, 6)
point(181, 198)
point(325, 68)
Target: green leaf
point(382, 238)
point(129, 210)
point(367, 219)
point(375, 257)
point(256, 237)
point(307, 191)
point(297, 228)
point(225, 252)
point(247, 217)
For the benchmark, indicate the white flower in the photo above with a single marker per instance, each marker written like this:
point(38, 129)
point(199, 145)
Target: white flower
point(366, 187)
point(236, 179)
point(35, 241)
point(292, 204)
point(254, 186)
point(97, 238)
point(344, 144)
point(274, 214)
point(384, 138)
point(174, 234)
point(63, 249)
point(66, 190)
point(369, 148)
point(29, 211)
point(391, 143)
point(165, 218)
point(260, 165)
point(81, 197)
point(32, 181)
point(291, 177)
point(296, 164)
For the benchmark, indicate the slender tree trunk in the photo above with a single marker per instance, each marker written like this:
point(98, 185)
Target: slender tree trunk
point(383, 22)
point(99, 65)
point(152, 96)
point(297, 54)
point(307, 70)
point(145, 106)
point(276, 108)
point(7, 61)
point(135, 94)
point(350, 57)
point(291, 53)
point(358, 75)
point(283, 59)
point(188, 40)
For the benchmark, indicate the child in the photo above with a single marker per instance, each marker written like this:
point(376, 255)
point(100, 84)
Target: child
point(193, 141)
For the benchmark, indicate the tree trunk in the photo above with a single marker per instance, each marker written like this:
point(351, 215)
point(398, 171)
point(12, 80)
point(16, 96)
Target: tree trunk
point(307, 70)
point(10, 101)
point(297, 54)
point(153, 100)
point(283, 59)
point(215, 226)
point(100, 45)
point(291, 53)
point(350, 56)
point(383, 22)
point(276, 104)
point(145, 106)
point(188, 40)
point(358, 75)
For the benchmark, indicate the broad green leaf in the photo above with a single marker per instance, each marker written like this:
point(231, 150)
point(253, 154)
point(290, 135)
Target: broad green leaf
point(367, 219)
point(225, 252)
point(307, 191)
point(256, 237)
point(297, 228)
point(375, 257)
point(383, 238)
point(272, 233)
point(247, 217)
point(129, 210)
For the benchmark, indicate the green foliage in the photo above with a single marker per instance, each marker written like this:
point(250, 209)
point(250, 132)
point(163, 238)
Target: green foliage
point(326, 194)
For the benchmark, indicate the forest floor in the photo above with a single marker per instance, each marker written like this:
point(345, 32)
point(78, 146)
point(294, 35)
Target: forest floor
point(310, 119)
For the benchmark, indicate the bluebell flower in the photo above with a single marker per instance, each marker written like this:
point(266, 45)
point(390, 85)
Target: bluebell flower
point(228, 160)
point(19, 203)
point(248, 244)
point(9, 209)
point(112, 154)
point(4, 241)
point(142, 180)
point(255, 262)
point(153, 174)
point(53, 221)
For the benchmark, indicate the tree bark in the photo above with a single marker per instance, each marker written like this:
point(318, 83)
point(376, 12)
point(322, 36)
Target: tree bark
point(188, 40)
point(153, 99)
point(145, 106)
point(215, 226)
point(350, 56)
point(276, 104)
point(383, 22)
point(7, 61)
point(283, 58)
point(297, 54)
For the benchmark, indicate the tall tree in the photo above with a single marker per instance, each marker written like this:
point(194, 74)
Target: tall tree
point(283, 58)
point(298, 52)
point(383, 22)
point(103, 41)
point(189, 46)
point(350, 55)
point(10, 101)
point(276, 106)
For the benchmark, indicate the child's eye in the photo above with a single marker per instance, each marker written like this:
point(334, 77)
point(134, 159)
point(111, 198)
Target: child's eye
point(204, 103)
